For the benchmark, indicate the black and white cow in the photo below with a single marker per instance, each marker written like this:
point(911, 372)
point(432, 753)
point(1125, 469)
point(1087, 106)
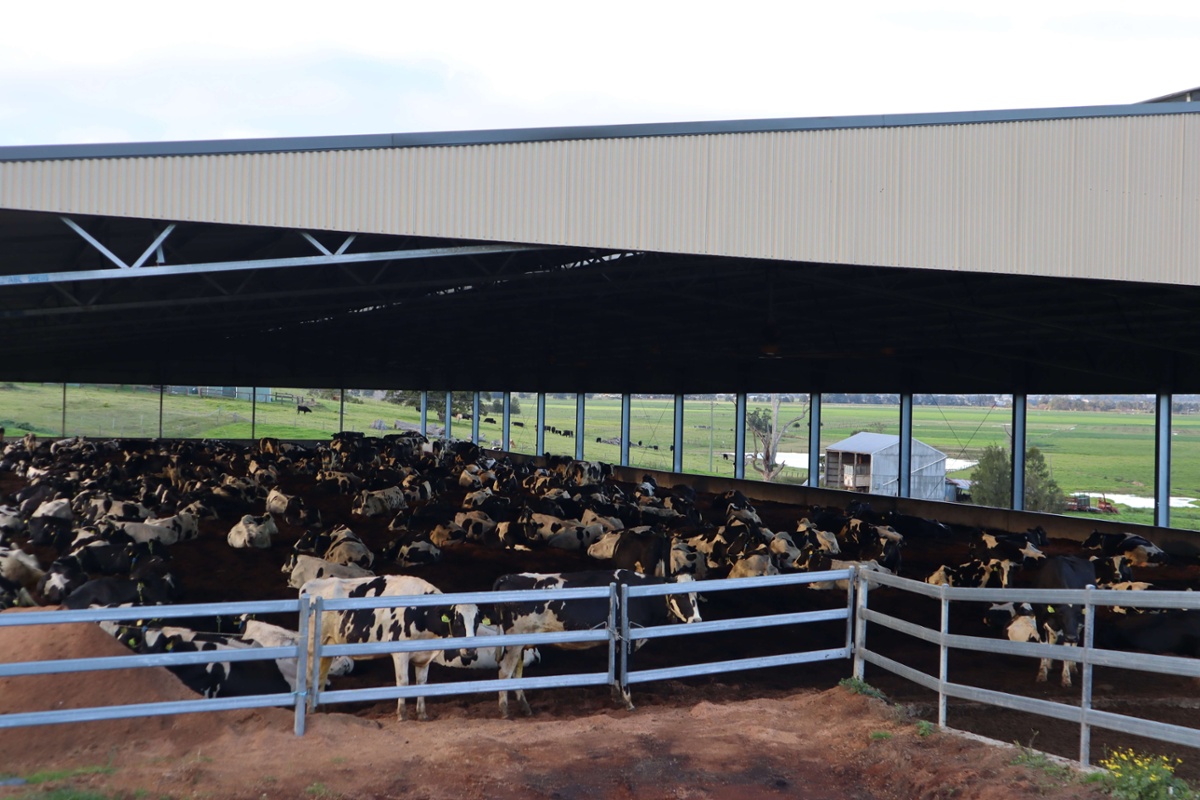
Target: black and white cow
point(1138, 550)
point(578, 615)
point(346, 548)
point(377, 503)
point(212, 679)
point(392, 624)
point(1062, 622)
point(251, 531)
point(301, 568)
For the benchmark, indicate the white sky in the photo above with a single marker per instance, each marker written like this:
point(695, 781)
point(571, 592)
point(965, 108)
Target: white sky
point(127, 70)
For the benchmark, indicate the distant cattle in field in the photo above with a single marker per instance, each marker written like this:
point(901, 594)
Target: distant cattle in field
point(302, 409)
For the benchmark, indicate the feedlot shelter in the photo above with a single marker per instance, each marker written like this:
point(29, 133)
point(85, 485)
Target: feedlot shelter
point(1029, 251)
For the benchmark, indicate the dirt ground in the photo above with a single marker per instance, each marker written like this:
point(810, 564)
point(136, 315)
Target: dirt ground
point(779, 732)
point(709, 744)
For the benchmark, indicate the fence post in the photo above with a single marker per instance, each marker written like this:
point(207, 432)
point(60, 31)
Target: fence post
point(302, 664)
point(314, 691)
point(624, 641)
point(614, 635)
point(860, 623)
point(943, 658)
point(1085, 698)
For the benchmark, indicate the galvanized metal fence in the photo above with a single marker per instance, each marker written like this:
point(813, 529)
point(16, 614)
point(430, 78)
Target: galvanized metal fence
point(1086, 655)
point(618, 636)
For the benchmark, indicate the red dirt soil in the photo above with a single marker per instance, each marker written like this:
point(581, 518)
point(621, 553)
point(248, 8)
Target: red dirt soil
point(813, 743)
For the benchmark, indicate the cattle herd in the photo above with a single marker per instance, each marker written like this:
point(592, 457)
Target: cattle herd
point(87, 523)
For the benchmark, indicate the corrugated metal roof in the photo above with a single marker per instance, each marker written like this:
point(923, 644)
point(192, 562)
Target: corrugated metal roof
point(868, 443)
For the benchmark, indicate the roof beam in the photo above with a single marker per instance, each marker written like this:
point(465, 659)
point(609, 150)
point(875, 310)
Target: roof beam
point(268, 263)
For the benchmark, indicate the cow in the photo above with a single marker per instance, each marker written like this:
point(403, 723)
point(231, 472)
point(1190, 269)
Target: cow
point(346, 548)
point(20, 567)
point(264, 634)
point(167, 530)
point(301, 569)
point(379, 502)
point(1061, 622)
point(303, 409)
point(577, 615)
point(65, 575)
point(215, 678)
point(253, 531)
point(1139, 551)
point(360, 626)
point(148, 584)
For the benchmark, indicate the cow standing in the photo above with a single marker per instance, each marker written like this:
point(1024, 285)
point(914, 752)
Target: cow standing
point(578, 615)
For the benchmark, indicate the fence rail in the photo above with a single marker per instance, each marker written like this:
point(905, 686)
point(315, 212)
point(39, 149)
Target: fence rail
point(619, 636)
point(1086, 655)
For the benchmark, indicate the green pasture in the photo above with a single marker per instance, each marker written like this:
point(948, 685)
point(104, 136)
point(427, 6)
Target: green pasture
point(1110, 452)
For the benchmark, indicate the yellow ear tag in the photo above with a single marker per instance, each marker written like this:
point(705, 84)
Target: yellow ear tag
point(1050, 609)
point(446, 619)
point(170, 645)
point(132, 642)
point(486, 621)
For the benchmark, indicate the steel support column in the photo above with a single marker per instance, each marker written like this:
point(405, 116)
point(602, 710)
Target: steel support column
point(162, 389)
point(448, 415)
point(341, 409)
point(580, 417)
point(906, 429)
point(475, 418)
point(506, 423)
point(677, 437)
point(424, 412)
point(739, 436)
point(1162, 462)
point(1020, 412)
point(814, 439)
point(626, 405)
point(541, 424)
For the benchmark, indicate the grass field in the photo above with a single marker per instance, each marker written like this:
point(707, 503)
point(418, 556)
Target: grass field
point(1109, 452)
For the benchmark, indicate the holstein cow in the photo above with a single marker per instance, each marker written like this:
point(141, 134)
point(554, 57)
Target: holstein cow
point(377, 503)
point(346, 548)
point(1062, 622)
point(361, 626)
point(578, 615)
point(253, 531)
point(1138, 550)
point(301, 569)
point(264, 634)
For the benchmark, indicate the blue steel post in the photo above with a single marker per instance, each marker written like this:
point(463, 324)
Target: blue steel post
point(341, 409)
point(64, 412)
point(580, 417)
point(424, 412)
point(449, 414)
point(541, 424)
point(906, 429)
point(475, 418)
point(814, 439)
point(162, 390)
point(1020, 409)
point(626, 405)
point(506, 423)
point(1162, 462)
point(677, 437)
point(739, 437)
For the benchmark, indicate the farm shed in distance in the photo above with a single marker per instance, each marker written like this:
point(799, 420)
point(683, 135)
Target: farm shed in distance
point(870, 462)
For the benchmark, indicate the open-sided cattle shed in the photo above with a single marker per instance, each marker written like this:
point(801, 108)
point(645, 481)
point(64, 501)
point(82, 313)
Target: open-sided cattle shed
point(1043, 250)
